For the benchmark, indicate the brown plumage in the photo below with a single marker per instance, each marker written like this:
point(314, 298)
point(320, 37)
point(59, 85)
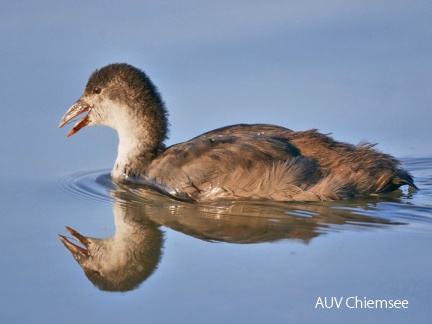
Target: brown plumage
point(235, 162)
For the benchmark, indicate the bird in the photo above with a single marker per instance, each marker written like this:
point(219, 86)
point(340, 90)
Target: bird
point(237, 162)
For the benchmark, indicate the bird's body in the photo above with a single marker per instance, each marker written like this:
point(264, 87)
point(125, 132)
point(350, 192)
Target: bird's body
point(235, 162)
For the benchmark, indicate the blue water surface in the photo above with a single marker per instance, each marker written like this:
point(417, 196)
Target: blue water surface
point(361, 70)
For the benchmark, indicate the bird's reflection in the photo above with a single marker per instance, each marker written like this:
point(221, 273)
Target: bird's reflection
point(122, 262)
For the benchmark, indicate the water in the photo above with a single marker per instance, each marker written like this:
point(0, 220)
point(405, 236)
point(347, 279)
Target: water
point(223, 262)
point(359, 70)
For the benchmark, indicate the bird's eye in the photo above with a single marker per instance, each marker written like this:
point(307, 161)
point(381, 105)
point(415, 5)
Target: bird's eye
point(97, 90)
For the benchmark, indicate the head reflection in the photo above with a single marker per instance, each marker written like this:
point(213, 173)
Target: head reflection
point(124, 261)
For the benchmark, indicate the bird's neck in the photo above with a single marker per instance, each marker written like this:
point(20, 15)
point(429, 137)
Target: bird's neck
point(141, 127)
point(136, 150)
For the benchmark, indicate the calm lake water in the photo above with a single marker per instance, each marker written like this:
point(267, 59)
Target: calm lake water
point(248, 262)
point(359, 69)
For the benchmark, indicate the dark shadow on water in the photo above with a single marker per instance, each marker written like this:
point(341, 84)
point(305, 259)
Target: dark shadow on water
point(124, 261)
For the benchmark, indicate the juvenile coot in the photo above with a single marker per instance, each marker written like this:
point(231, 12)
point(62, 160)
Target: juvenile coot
point(241, 161)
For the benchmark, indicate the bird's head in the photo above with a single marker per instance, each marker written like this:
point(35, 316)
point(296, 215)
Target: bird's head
point(122, 97)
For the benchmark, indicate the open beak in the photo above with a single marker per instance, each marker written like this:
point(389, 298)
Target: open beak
point(78, 108)
point(77, 251)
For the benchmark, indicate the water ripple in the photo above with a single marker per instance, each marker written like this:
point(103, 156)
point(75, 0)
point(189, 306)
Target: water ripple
point(89, 185)
point(400, 207)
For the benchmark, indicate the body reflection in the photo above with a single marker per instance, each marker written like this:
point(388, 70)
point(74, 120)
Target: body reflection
point(122, 262)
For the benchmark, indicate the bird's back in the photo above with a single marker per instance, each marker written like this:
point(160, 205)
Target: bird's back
point(271, 162)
